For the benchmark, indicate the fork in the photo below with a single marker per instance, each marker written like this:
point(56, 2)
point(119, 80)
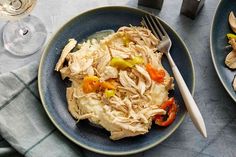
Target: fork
point(152, 23)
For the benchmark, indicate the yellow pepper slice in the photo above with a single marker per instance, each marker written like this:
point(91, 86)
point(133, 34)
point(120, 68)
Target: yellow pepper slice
point(136, 60)
point(230, 36)
point(120, 63)
point(123, 64)
point(126, 41)
point(109, 93)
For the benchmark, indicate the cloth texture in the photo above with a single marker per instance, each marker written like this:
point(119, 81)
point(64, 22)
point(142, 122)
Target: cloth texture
point(24, 125)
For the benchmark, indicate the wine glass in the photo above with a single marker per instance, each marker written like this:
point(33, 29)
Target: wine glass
point(24, 34)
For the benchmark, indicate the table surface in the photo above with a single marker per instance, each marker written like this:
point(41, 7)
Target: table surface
point(216, 106)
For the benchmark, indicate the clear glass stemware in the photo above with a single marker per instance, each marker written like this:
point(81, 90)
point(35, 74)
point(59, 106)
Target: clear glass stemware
point(23, 34)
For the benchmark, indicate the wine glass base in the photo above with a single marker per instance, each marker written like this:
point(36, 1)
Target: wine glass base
point(24, 37)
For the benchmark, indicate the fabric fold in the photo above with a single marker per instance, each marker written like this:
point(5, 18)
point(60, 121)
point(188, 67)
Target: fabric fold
point(23, 121)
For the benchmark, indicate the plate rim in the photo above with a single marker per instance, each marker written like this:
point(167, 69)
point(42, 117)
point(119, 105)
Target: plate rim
point(213, 54)
point(100, 151)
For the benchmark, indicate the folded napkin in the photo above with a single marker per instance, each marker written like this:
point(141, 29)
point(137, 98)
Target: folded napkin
point(23, 121)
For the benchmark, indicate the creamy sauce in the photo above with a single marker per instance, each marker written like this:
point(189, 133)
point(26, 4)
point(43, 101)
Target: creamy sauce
point(101, 34)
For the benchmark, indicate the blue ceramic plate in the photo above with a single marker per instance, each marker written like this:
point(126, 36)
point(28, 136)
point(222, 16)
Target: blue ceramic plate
point(52, 89)
point(218, 41)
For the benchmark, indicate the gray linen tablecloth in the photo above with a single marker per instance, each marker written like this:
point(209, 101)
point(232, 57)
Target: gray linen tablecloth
point(23, 121)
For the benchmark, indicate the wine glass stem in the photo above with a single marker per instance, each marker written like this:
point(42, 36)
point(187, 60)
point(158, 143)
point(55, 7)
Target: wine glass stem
point(23, 29)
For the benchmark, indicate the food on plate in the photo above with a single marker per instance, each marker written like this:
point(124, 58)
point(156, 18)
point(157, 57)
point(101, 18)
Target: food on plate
point(118, 82)
point(232, 21)
point(230, 60)
point(159, 120)
point(234, 83)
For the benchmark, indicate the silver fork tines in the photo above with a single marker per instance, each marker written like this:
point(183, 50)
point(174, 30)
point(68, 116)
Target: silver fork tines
point(152, 23)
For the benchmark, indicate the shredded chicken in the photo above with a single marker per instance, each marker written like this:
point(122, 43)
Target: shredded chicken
point(125, 80)
point(134, 98)
point(232, 42)
point(65, 52)
point(230, 60)
point(109, 73)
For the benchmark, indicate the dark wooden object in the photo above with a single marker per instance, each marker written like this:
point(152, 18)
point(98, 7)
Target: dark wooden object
point(191, 8)
point(157, 4)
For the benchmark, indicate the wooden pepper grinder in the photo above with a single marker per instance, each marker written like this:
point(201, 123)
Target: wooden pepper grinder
point(157, 4)
point(191, 8)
